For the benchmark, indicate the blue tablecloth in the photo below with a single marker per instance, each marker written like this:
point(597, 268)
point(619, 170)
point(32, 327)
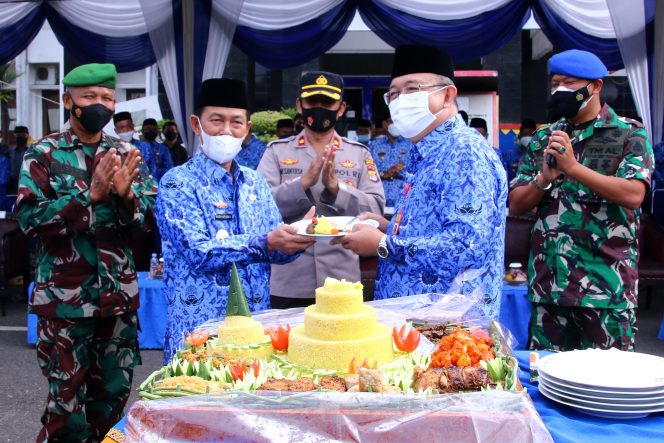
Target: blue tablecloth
point(567, 425)
point(514, 313)
point(151, 314)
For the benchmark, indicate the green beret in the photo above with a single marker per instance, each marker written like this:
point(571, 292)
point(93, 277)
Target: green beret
point(93, 74)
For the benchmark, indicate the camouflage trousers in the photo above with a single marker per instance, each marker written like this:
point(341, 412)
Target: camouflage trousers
point(563, 328)
point(89, 364)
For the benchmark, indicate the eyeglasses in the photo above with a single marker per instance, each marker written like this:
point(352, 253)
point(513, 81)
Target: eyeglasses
point(390, 96)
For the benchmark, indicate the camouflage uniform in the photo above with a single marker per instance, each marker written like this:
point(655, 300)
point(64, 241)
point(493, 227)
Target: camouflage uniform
point(582, 268)
point(86, 292)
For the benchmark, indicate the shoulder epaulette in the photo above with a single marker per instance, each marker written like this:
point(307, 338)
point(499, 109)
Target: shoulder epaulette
point(281, 140)
point(354, 142)
point(631, 121)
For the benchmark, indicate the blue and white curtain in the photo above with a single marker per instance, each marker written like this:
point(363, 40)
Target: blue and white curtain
point(190, 40)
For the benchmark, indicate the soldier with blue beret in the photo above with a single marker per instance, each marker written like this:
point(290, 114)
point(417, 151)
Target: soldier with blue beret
point(587, 174)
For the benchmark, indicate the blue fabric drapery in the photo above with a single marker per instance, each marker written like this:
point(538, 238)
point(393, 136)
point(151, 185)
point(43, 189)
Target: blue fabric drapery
point(294, 46)
point(564, 36)
point(465, 39)
point(16, 37)
point(126, 53)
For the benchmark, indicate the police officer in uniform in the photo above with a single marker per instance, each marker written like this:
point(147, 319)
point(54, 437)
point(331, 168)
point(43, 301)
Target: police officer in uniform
point(319, 167)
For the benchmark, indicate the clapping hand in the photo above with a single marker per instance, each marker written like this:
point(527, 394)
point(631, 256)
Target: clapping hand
point(124, 176)
point(102, 178)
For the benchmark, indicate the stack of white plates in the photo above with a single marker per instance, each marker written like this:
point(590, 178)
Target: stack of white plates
point(605, 383)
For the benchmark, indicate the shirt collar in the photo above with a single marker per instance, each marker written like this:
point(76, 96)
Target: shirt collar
point(430, 143)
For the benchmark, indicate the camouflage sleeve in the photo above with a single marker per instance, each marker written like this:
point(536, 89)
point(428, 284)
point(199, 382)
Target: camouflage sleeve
point(43, 212)
point(638, 160)
point(145, 193)
point(369, 196)
point(528, 167)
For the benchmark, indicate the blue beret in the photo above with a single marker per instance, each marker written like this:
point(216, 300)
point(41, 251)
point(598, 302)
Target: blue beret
point(579, 64)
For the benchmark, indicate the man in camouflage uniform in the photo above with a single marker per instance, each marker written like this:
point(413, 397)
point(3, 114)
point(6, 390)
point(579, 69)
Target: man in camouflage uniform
point(80, 192)
point(583, 264)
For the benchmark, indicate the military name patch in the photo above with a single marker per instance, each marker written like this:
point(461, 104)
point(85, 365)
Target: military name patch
point(223, 216)
point(61, 168)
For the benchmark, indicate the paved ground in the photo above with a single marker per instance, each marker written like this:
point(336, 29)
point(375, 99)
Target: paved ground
point(23, 389)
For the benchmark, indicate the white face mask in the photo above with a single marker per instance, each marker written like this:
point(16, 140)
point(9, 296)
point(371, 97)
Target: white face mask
point(126, 136)
point(410, 112)
point(392, 129)
point(525, 140)
point(220, 148)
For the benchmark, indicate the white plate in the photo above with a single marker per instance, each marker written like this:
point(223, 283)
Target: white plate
point(603, 402)
point(601, 392)
point(613, 369)
point(339, 221)
point(598, 412)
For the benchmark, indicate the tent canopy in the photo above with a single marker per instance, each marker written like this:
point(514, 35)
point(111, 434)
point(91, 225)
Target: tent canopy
point(190, 40)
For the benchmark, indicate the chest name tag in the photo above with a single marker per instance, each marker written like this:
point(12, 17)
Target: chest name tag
point(223, 216)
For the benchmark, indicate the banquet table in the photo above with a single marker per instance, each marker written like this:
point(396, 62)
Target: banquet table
point(514, 313)
point(563, 423)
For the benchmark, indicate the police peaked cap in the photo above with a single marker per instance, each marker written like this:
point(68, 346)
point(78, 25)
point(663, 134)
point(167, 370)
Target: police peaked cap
point(324, 83)
point(415, 59)
point(222, 92)
point(579, 64)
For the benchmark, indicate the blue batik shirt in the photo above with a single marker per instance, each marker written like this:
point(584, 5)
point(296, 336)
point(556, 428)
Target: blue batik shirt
point(156, 156)
point(251, 153)
point(453, 220)
point(511, 156)
point(209, 219)
point(391, 161)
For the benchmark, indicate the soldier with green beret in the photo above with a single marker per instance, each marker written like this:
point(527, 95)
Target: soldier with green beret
point(81, 192)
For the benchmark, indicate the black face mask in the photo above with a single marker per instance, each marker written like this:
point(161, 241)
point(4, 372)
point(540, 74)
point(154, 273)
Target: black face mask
point(21, 140)
point(319, 119)
point(92, 117)
point(150, 135)
point(170, 135)
point(566, 104)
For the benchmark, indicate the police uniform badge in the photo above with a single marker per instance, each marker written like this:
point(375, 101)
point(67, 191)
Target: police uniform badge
point(288, 161)
point(347, 164)
point(221, 205)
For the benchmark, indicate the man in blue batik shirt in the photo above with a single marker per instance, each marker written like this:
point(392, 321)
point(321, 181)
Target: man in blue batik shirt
point(156, 155)
point(390, 152)
point(252, 151)
point(450, 220)
point(213, 212)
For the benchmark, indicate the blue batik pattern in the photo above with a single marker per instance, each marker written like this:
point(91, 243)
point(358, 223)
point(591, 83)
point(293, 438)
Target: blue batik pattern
point(387, 155)
point(208, 220)
point(453, 220)
point(251, 153)
point(156, 156)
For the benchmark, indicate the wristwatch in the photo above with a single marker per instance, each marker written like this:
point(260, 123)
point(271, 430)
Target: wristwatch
point(382, 250)
point(539, 188)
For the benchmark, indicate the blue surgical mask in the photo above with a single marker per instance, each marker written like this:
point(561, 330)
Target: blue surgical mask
point(364, 138)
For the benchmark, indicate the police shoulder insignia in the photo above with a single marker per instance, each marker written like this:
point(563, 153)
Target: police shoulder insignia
point(288, 161)
point(336, 142)
point(301, 141)
point(347, 164)
point(368, 161)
